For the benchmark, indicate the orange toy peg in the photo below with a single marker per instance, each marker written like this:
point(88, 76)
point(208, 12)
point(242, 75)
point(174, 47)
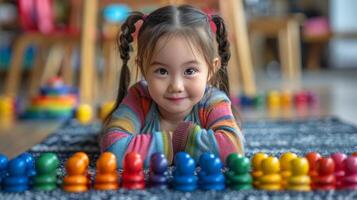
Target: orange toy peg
point(107, 176)
point(76, 179)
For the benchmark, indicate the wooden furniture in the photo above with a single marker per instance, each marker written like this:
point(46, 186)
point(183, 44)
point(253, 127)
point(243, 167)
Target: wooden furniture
point(42, 43)
point(232, 11)
point(315, 49)
point(88, 45)
point(56, 45)
point(316, 33)
point(287, 32)
point(233, 14)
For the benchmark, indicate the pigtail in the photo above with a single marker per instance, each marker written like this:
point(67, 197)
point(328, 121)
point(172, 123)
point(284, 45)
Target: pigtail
point(223, 51)
point(225, 54)
point(124, 43)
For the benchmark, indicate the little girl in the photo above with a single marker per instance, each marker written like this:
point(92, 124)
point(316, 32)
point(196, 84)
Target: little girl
point(182, 104)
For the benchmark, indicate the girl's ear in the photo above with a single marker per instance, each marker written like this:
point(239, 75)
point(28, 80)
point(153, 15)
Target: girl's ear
point(216, 65)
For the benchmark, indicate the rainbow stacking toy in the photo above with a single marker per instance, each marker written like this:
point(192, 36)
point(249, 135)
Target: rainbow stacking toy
point(56, 101)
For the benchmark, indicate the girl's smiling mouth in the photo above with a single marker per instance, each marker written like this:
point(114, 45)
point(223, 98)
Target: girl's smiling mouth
point(175, 99)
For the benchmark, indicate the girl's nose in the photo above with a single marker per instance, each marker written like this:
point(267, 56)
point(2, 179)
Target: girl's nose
point(176, 86)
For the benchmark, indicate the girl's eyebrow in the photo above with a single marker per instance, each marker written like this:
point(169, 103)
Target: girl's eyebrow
point(157, 63)
point(163, 64)
point(191, 62)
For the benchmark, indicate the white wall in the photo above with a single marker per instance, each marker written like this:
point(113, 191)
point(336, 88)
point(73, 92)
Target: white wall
point(343, 19)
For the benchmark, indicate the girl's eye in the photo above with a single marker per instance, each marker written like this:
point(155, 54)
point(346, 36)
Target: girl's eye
point(190, 71)
point(161, 71)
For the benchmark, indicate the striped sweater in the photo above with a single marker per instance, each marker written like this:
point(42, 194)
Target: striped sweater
point(135, 126)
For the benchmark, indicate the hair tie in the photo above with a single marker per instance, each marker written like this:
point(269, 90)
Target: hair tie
point(211, 23)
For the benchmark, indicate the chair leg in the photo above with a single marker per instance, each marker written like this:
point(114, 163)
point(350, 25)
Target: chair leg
point(53, 63)
point(37, 70)
point(88, 51)
point(293, 28)
point(313, 55)
point(284, 52)
point(111, 71)
point(233, 67)
point(67, 68)
point(13, 77)
point(235, 10)
point(105, 79)
point(290, 56)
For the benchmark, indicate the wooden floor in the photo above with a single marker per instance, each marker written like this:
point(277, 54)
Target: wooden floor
point(20, 136)
point(337, 91)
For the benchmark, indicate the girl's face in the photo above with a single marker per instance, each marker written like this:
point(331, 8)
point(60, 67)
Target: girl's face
point(177, 76)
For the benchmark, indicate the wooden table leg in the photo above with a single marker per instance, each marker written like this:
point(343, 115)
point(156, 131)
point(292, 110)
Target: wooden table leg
point(13, 77)
point(284, 52)
point(88, 46)
point(67, 64)
point(235, 11)
point(290, 55)
point(233, 65)
point(53, 63)
point(37, 69)
point(294, 32)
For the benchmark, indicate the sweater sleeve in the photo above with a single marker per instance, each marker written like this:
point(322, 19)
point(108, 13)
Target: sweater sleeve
point(219, 132)
point(122, 135)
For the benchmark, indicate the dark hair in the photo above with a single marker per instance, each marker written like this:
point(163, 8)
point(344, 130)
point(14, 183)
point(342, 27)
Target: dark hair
point(184, 20)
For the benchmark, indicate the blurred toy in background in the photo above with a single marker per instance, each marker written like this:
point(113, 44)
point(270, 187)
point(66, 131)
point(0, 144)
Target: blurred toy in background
point(277, 99)
point(8, 13)
point(55, 101)
point(116, 13)
point(36, 16)
point(84, 113)
point(113, 15)
point(48, 16)
point(316, 27)
point(7, 110)
point(105, 109)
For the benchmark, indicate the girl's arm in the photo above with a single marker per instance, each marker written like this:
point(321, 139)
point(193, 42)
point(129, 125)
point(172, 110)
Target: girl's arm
point(220, 135)
point(122, 133)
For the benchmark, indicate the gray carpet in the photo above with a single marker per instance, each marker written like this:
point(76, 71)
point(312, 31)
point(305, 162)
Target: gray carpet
point(325, 136)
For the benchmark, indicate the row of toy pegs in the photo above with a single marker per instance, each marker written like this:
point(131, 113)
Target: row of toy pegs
point(277, 99)
point(24, 172)
point(289, 172)
point(311, 172)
